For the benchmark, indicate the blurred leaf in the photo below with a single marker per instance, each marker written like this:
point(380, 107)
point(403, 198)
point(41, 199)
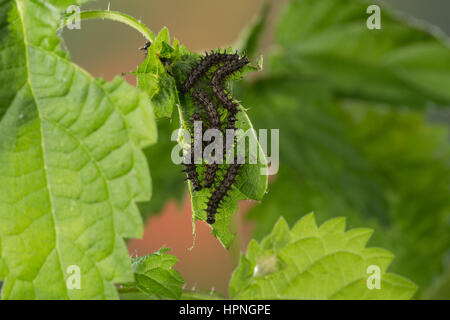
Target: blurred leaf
point(70, 155)
point(411, 158)
point(296, 196)
point(440, 290)
point(154, 275)
point(250, 37)
point(310, 262)
point(402, 63)
point(313, 141)
point(343, 152)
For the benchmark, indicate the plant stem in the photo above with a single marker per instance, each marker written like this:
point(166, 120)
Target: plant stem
point(125, 290)
point(114, 16)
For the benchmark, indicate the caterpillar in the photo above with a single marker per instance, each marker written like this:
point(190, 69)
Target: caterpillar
point(214, 122)
point(191, 171)
point(213, 114)
point(210, 174)
point(206, 63)
point(190, 168)
point(218, 81)
point(221, 192)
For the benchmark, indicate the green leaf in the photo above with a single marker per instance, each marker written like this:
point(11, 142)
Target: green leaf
point(201, 295)
point(160, 85)
point(401, 63)
point(401, 189)
point(440, 290)
point(71, 160)
point(314, 141)
point(249, 39)
point(346, 153)
point(154, 275)
point(415, 175)
point(153, 78)
point(311, 262)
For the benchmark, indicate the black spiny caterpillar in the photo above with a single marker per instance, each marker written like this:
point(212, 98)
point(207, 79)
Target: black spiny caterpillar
point(211, 109)
point(207, 62)
point(214, 123)
point(218, 83)
point(191, 171)
point(191, 168)
point(221, 192)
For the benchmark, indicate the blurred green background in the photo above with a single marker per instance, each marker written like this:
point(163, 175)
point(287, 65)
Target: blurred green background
point(407, 180)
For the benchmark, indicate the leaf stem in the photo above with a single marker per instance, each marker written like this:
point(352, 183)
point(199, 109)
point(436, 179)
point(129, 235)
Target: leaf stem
point(114, 16)
point(125, 290)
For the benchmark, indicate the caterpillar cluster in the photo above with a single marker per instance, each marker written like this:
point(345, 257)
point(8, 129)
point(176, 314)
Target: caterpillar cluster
point(226, 65)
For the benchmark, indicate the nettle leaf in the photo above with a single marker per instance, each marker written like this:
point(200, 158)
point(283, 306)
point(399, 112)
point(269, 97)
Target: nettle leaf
point(380, 167)
point(415, 171)
point(71, 168)
point(399, 63)
point(310, 196)
point(250, 184)
point(313, 141)
point(250, 37)
point(311, 262)
point(385, 169)
point(440, 289)
point(154, 275)
point(153, 78)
